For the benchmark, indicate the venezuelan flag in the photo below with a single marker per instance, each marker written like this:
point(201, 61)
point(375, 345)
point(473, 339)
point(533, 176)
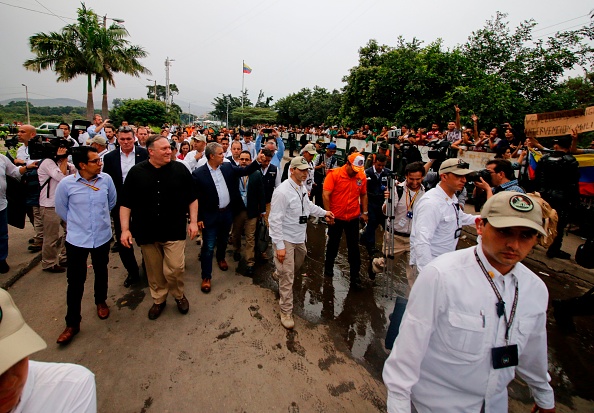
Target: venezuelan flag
point(586, 162)
point(247, 69)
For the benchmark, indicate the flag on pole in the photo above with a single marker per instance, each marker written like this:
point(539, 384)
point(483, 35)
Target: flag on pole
point(247, 69)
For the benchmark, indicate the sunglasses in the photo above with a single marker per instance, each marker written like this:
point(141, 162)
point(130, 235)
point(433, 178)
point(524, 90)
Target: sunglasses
point(125, 129)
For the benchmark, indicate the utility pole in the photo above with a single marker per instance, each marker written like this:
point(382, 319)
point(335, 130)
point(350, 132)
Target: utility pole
point(167, 92)
point(27, 98)
point(155, 93)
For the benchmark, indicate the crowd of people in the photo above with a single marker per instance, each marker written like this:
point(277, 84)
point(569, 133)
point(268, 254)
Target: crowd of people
point(156, 189)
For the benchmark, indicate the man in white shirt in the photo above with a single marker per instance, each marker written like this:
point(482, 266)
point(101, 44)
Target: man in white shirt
point(438, 219)
point(196, 155)
point(142, 135)
point(110, 136)
point(290, 209)
point(476, 317)
point(249, 145)
point(30, 386)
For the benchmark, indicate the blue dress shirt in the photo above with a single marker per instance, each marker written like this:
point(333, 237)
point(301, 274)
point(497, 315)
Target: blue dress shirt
point(86, 210)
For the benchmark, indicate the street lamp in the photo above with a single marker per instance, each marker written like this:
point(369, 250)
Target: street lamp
point(227, 103)
point(150, 80)
point(27, 98)
point(114, 19)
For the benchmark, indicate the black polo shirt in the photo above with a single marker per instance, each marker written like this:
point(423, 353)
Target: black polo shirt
point(159, 200)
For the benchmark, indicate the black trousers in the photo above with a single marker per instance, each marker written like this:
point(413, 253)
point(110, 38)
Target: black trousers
point(77, 275)
point(126, 254)
point(351, 230)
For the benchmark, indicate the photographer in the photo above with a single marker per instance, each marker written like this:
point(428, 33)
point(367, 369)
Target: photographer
point(501, 177)
point(50, 172)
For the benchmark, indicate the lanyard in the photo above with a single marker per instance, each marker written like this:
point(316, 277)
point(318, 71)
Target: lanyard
point(244, 181)
point(410, 200)
point(500, 304)
point(92, 186)
point(302, 196)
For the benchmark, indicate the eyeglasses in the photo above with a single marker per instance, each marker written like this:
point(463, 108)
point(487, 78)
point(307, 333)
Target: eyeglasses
point(95, 161)
point(125, 129)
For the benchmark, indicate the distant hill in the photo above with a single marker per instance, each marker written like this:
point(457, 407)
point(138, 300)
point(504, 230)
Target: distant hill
point(49, 102)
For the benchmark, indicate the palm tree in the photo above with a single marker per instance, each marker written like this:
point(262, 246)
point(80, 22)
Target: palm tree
point(117, 56)
point(70, 52)
point(86, 48)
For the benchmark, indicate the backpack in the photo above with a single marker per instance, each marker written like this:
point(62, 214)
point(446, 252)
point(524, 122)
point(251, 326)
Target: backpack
point(30, 180)
point(550, 220)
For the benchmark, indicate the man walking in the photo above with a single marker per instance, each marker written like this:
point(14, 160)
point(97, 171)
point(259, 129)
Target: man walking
point(217, 186)
point(289, 212)
point(117, 164)
point(84, 200)
point(475, 318)
point(377, 179)
point(156, 199)
point(345, 194)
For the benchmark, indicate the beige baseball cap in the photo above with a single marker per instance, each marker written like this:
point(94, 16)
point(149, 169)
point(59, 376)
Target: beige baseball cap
point(299, 162)
point(513, 209)
point(100, 140)
point(17, 339)
point(455, 166)
point(309, 148)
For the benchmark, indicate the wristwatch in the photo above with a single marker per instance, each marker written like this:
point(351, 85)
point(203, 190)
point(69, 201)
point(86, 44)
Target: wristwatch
point(366, 213)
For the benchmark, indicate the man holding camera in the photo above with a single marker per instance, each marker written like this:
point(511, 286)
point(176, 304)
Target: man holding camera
point(273, 142)
point(502, 178)
point(438, 219)
point(475, 318)
point(50, 172)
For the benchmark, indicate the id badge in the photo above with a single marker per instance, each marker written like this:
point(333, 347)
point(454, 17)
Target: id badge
point(409, 214)
point(458, 233)
point(504, 357)
point(303, 219)
point(402, 222)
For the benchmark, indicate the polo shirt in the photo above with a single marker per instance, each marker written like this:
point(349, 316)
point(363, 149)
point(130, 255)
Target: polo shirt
point(345, 192)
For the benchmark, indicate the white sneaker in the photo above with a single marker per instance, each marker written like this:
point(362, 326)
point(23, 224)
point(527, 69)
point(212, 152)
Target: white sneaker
point(287, 320)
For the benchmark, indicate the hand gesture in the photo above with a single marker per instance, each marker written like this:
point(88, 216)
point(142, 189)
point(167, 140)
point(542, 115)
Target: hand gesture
point(456, 108)
point(474, 118)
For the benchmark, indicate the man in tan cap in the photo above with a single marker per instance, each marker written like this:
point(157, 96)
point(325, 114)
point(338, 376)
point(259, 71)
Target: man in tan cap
point(437, 218)
point(30, 386)
point(345, 194)
point(475, 318)
point(290, 209)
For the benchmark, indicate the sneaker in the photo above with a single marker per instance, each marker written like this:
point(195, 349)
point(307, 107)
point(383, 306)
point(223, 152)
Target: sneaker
point(287, 320)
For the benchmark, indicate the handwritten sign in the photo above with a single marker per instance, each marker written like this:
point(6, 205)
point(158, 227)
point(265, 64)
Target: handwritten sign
point(542, 125)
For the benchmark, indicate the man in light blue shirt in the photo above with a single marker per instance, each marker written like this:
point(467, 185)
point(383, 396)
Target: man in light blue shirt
point(84, 201)
point(98, 127)
point(270, 144)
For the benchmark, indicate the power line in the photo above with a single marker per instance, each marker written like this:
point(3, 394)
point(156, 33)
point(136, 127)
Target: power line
point(36, 11)
point(557, 24)
point(567, 28)
point(51, 11)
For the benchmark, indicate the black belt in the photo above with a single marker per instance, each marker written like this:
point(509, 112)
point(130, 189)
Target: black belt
point(402, 234)
point(224, 209)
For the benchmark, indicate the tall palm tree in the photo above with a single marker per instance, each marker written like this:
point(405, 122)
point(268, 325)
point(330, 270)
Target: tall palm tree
point(69, 53)
point(117, 56)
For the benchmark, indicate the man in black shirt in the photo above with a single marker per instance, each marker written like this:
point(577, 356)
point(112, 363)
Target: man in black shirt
point(157, 196)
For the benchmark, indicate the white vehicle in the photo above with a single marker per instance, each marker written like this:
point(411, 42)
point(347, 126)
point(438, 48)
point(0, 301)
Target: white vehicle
point(48, 126)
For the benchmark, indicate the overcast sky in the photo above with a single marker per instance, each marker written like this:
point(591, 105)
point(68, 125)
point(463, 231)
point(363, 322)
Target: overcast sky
point(288, 44)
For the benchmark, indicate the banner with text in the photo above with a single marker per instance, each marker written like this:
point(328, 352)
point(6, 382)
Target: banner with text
point(542, 125)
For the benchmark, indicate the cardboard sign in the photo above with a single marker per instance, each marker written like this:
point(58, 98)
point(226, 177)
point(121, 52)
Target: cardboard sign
point(542, 125)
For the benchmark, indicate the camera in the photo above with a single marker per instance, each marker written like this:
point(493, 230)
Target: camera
point(267, 130)
point(46, 146)
point(477, 175)
point(394, 134)
point(439, 151)
point(12, 142)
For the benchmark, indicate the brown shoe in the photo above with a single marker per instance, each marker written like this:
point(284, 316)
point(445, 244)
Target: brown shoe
point(183, 305)
point(205, 287)
point(156, 310)
point(55, 269)
point(223, 265)
point(67, 335)
point(102, 311)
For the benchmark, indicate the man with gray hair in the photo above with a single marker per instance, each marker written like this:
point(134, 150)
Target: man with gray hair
point(217, 187)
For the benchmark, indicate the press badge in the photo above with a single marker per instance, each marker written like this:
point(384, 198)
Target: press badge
point(303, 219)
point(506, 356)
point(402, 222)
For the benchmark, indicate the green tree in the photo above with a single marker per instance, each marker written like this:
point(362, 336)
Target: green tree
point(252, 115)
point(162, 91)
point(140, 112)
point(308, 107)
point(116, 56)
point(220, 106)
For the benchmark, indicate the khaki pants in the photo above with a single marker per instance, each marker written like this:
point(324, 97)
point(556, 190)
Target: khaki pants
point(34, 215)
point(165, 265)
point(248, 225)
point(402, 246)
point(53, 249)
point(295, 255)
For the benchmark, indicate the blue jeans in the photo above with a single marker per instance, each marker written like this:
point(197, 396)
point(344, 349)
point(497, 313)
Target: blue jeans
point(216, 233)
point(3, 234)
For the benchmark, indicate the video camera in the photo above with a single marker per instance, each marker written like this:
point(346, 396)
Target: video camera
point(12, 142)
point(46, 146)
point(439, 151)
point(477, 175)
